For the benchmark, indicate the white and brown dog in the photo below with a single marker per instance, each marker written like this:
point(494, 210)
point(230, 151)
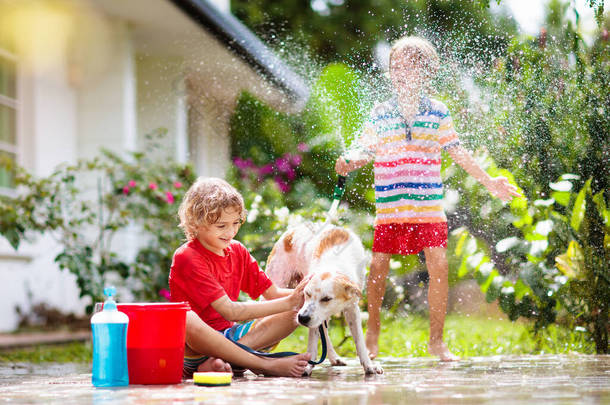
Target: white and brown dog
point(336, 259)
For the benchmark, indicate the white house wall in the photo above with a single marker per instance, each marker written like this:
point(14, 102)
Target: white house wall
point(47, 122)
point(208, 129)
point(80, 96)
point(161, 102)
point(47, 136)
point(107, 96)
point(31, 277)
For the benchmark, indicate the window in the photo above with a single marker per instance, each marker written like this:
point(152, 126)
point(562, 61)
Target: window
point(8, 110)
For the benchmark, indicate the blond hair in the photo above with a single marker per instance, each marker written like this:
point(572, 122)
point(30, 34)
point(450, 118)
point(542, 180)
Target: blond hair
point(419, 50)
point(204, 203)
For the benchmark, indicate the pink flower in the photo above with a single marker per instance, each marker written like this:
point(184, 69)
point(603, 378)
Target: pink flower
point(131, 183)
point(163, 293)
point(170, 197)
point(177, 184)
point(267, 169)
point(282, 184)
point(153, 186)
point(282, 164)
point(125, 190)
point(303, 147)
point(243, 164)
point(296, 159)
point(291, 174)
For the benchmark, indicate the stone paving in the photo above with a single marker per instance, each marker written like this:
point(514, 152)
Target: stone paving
point(563, 379)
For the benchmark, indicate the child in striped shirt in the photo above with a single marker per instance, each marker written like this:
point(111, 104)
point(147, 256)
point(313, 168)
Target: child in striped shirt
point(405, 136)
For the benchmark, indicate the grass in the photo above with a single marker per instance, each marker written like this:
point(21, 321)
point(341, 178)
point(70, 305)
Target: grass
point(78, 352)
point(466, 336)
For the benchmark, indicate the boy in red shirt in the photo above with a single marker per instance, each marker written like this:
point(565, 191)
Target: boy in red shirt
point(209, 272)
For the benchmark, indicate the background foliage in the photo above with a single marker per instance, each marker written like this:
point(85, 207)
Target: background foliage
point(538, 117)
point(349, 30)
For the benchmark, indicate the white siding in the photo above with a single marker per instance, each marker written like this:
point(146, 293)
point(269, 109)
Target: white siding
point(106, 99)
point(161, 101)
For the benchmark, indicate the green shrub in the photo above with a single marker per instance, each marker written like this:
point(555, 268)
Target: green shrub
point(88, 205)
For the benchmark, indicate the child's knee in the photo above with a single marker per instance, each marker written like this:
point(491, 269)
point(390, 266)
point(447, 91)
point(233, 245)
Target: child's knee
point(379, 269)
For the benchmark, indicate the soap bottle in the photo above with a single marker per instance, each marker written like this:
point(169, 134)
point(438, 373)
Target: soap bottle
point(109, 327)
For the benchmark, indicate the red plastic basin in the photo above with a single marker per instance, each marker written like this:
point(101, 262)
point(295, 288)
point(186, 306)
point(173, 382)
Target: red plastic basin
point(155, 341)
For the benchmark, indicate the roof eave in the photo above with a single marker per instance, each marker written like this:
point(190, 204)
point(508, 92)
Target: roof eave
point(230, 31)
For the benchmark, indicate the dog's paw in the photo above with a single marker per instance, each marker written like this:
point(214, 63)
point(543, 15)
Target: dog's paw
point(337, 361)
point(373, 369)
point(308, 370)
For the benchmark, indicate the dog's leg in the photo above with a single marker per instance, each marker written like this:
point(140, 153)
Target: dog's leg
point(312, 349)
point(333, 357)
point(352, 315)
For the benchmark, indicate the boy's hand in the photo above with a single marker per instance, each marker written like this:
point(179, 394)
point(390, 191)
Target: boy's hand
point(342, 167)
point(501, 188)
point(297, 298)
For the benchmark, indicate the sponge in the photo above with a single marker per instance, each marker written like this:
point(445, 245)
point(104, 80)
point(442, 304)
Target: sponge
point(212, 379)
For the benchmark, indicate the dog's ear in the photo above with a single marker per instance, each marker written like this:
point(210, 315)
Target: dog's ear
point(295, 279)
point(350, 289)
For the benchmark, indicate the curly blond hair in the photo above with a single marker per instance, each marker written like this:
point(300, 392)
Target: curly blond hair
point(420, 51)
point(204, 203)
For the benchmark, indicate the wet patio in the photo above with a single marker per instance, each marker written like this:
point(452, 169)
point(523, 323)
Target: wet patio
point(563, 379)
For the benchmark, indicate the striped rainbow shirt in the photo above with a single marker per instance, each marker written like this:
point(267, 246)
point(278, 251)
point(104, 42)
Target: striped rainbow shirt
point(408, 185)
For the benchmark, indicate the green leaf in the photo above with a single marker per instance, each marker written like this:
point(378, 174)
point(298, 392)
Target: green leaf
point(578, 211)
point(561, 186)
point(507, 243)
point(474, 261)
point(521, 289)
point(544, 227)
point(463, 269)
point(600, 202)
point(518, 204)
point(488, 281)
point(562, 197)
point(572, 262)
point(494, 288)
point(13, 237)
point(544, 203)
point(460, 244)
point(569, 176)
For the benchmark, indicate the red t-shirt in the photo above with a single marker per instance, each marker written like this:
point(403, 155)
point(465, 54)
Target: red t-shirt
point(200, 277)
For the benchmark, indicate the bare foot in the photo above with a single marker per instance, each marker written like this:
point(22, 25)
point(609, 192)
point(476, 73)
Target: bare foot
point(442, 351)
point(372, 343)
point(292, 366)
point(214, 364)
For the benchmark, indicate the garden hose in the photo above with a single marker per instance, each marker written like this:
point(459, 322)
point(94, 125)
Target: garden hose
point(337, 195)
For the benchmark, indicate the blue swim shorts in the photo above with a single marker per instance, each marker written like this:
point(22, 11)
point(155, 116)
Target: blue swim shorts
point(234, 333)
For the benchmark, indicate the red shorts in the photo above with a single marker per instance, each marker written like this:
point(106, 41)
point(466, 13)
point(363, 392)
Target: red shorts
point(408, 239)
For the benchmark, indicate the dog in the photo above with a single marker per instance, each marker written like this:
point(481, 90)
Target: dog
point(336, 260)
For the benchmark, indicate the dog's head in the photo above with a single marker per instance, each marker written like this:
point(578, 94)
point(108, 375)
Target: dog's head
point(327, 294)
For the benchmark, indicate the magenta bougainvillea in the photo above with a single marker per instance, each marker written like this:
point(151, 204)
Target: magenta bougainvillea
point(283, 170)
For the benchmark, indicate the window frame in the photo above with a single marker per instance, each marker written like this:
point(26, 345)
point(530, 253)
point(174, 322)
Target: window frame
point(14, 104)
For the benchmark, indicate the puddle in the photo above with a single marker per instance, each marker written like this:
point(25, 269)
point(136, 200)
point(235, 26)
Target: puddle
point(479, 380)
